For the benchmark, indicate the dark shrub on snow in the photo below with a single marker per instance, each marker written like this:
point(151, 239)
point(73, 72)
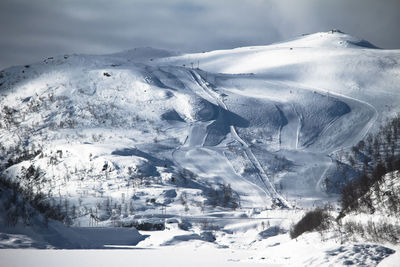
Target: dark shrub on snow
point(312, 220)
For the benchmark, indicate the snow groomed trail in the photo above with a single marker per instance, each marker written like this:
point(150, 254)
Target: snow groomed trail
point(359, 108)
point(210, 164)
point(264, 179)
point(361, 135)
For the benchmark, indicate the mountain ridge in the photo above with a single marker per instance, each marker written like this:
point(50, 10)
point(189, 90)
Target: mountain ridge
point(146, 137)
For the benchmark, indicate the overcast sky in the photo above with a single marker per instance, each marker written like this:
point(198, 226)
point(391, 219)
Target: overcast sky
point(33, 29)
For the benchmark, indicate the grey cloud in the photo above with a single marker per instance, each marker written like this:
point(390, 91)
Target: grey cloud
point(31, 30)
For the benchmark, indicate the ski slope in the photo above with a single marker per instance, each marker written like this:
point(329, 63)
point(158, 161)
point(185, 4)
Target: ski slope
point(273, 106)
point(149, 134)
point(282, 110)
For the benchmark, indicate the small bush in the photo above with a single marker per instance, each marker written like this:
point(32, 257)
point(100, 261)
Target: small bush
point(146, 226)
point(312, 220)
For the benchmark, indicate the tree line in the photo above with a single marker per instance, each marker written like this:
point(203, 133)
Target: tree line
point(373, 157)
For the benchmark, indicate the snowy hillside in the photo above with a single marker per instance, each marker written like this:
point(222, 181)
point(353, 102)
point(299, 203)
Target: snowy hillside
point(379, 206)
point(147, 135)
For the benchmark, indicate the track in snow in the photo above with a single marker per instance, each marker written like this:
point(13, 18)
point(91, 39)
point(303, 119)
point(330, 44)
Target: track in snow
point(361, 134)
point(211, 165)
point(249, 154)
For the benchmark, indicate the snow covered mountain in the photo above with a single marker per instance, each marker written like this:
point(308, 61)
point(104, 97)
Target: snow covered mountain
point(149, 133)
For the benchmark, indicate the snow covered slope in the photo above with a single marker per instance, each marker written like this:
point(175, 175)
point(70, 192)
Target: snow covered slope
point(147, 131)
point(216, 149)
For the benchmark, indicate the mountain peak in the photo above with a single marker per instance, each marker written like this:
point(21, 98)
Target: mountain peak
point(331, 39)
